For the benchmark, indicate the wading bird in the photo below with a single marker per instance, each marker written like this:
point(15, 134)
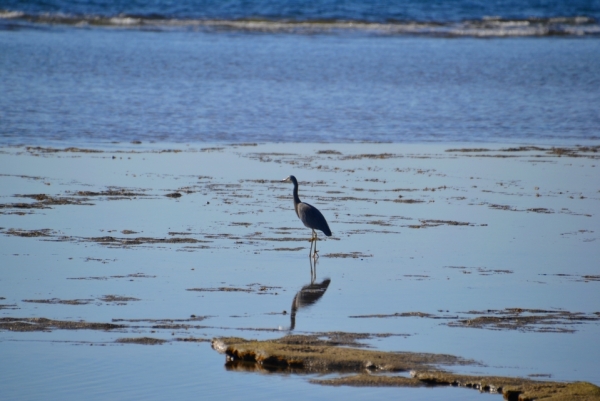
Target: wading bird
point(309, 215)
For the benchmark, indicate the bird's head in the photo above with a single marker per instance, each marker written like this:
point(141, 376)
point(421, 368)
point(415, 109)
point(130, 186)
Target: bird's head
point(291, 178)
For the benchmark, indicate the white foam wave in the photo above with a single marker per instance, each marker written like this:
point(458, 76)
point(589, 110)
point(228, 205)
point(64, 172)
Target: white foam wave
point(489, 26)
point(125, 21)
point(11, 14)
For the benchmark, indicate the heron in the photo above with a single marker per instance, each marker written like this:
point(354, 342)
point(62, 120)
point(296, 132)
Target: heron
point(310, 216)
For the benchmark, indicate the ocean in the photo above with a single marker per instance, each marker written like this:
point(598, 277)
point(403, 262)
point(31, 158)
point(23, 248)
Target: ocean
point(74, 72)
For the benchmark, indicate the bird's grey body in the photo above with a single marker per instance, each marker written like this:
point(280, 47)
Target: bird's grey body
point(310, 216)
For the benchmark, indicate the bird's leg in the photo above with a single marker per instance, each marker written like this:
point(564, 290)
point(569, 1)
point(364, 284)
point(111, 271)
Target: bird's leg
point(312, 238)
point(315, 238)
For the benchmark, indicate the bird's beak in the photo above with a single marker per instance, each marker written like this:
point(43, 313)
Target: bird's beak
point(286, 179)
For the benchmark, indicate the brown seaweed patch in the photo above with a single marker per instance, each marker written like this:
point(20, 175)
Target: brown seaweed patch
point(481, 270)
point(578, 232)
point(573, 152)
point(113, 241)
point(44, 324)
point(21, 206)
point(57, 301)
point(107, 298)
point(523, 149)
point(43, 201)
point(446, 222)
point(111, 192)
point(511, 388)
point(401, 200)
point(435, 223)
point(540, 210)
point(220, 289)
point(577, 151)
point(370, 380)
point(514, 209)
point(349, 198)
point(285, 239)
point(419, 277)
point(469, 150)
point(263, 181)
point(244, 224)
point(308, 354)
point(192, 318)
point(109, 240)
point(515, 149)
point(287, 249)
point(193, 340)
point(250, 288)
point(30, 177)
point(39, 149)
point(402, 190)
point(334, 338)
point(502, 207)
point(130, 276)
point(406, 314)
point(120, 300)
point(489, 272)
point(311, 355)
point(574, 277)
point(403, 314)
point(141, 340)
point(45, 232)
point(103, 261)
point(342, 255)
point(370, 156)
point(380, 223)
point(526, 320)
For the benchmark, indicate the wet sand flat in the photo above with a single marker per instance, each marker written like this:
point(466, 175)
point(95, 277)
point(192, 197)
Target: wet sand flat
point(485, 254)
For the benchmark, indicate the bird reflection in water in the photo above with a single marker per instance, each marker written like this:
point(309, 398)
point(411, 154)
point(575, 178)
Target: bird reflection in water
point(309, 294)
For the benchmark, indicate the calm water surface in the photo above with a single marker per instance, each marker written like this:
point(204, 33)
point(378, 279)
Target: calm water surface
point(75, 85)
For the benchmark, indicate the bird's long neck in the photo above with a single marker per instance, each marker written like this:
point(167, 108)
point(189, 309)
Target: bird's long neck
point(296, 198)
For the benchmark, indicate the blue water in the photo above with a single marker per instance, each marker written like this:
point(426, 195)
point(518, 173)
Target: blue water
point(381, 11)
point(318, 71)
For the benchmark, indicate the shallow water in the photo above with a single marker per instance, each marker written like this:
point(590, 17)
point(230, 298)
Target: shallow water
point(514, 231)
point(67, 371)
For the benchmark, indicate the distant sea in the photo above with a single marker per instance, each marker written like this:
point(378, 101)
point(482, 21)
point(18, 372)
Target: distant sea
point(81, 72)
